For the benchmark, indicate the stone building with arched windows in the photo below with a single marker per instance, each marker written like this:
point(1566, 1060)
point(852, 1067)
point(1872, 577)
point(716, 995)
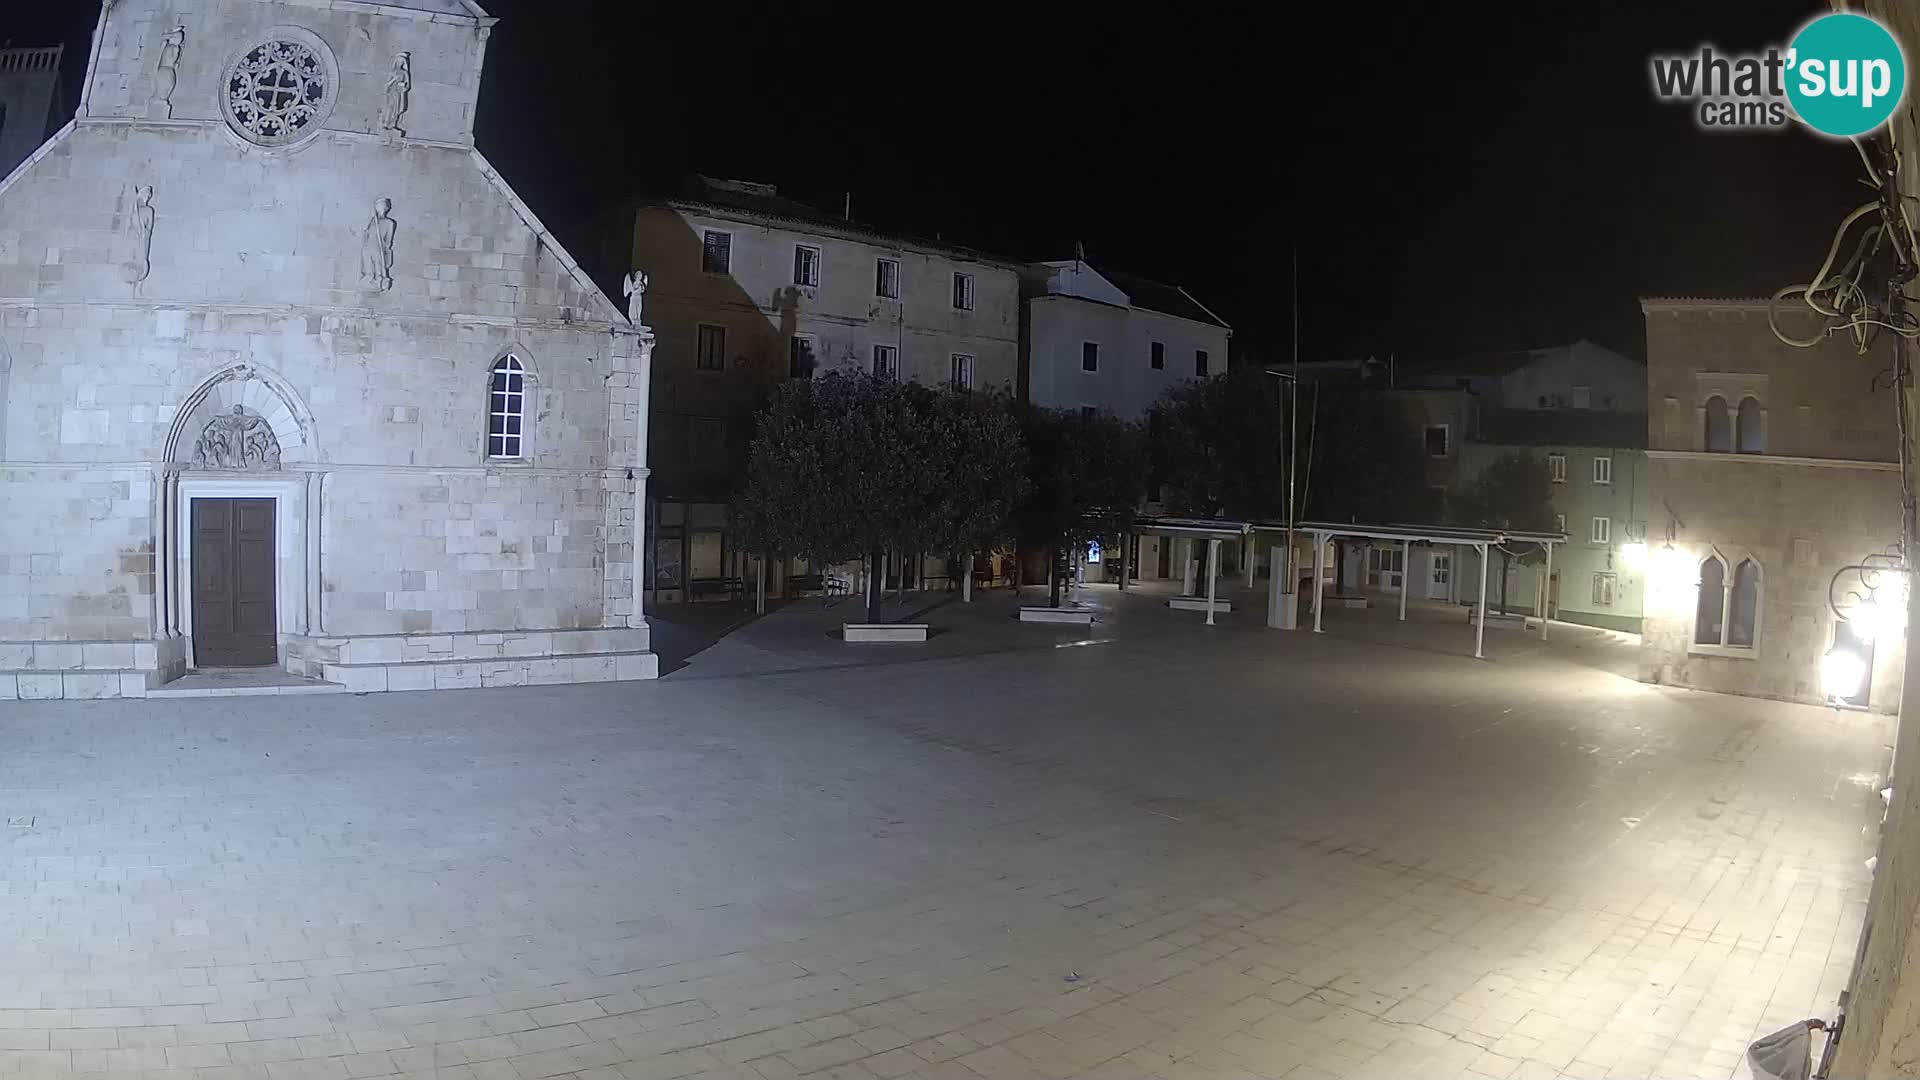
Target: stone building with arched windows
point(1774, 505)
point(289, 375)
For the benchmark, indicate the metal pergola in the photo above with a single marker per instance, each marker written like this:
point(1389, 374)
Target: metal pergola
point(1407, 536)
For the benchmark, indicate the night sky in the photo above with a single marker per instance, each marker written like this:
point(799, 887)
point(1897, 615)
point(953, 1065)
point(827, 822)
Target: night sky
point(1484, 177)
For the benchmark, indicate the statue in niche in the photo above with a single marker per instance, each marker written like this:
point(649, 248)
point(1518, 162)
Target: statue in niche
point(399, 85)
point(167, 75)
point(376, 248)
point(139, 236)
point(634, 288)
point(239, 440)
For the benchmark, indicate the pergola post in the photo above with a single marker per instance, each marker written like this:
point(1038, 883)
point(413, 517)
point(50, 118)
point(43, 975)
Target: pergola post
point(1480, 630)
point(1406, 560)
point(1546, 596)
point(1126, 548)
point(1213, 568)
point(966, 579)
point(1319, 566)
point(1186, 567)
point(760, 586)
point(1246, 550)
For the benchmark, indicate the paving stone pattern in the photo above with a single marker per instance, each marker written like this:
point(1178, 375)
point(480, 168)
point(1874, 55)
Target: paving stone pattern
point(1169, 854)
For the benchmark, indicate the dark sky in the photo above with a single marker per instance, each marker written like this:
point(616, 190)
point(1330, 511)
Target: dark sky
point(1455, 177)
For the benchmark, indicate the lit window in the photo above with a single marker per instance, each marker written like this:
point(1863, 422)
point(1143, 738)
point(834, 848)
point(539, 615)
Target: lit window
point(1719, 434)
point(1750, 427)
point(1437, 440)
point(1603, 470)
point(800, 357)
point(963, 291)
point(806, 265)
point(1602, 531)
point(886, 278)
point(1200, 363)
point(506, 408)
point(1159, 356)
point(711, 352)
point(716, 252)
point(1557, 468)
point(1089, 356)
point(886, 361)
point(962, 371)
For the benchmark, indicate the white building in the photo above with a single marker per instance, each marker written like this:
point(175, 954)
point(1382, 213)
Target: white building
point(29, 101)
point(288, 375)
point(1097, 339)
point(749, 288)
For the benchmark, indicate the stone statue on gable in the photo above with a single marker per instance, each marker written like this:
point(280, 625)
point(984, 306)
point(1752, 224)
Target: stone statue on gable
point(634, 288)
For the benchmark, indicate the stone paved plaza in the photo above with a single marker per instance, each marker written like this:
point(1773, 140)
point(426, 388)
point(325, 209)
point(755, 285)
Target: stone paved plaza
point(1157, 850)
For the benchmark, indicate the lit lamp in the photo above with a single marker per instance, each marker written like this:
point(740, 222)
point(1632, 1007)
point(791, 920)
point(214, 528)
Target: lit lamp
point(1635, 555)
point(1875, 610)
point(1842, 671)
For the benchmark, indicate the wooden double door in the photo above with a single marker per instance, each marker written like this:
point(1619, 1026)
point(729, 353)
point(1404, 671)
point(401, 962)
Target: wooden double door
point(233, 583)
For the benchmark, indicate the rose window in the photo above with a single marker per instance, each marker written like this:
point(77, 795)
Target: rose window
point(277, 93)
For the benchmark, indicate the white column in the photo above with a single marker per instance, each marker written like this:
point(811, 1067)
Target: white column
point(1126, 551)
point(966, 579)
point(1480, 630)
point(1319, 568)
point(760, 586)
point(1186, 567)
point(1406, 571)
point(1246, 552)
point(1213, 575)
point(644, 382)
point(1546, 595)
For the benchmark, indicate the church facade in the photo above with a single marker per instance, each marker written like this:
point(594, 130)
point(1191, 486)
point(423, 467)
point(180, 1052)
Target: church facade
point(289, 375)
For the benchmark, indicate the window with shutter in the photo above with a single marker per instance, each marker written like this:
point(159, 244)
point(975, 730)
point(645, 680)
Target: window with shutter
point(716, 252)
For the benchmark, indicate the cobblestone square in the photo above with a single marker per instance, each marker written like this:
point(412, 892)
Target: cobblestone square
point(1153, 851)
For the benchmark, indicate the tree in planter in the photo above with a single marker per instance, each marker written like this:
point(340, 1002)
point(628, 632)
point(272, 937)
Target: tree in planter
point(1086, 478)
point(1222, 447)
point(1515, 491)
point(849, 466)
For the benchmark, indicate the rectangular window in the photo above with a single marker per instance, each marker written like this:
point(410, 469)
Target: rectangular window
point(886, 278)
point(1560, 523)
point(1088, 412)
point(716, 252)
point(507, 408)
point(962, 371)
point(800, 357)
point(1603, 590)
point(1557, 468)
point(1159, 356)
point(1385, 567)
point(1200, 363)
point(1089, 356)
point(1603, 470)
point(963, 291)
point(1601, 532)
point(886, 361)
point(711, 352)
point(1437, 440)
point(806, 265)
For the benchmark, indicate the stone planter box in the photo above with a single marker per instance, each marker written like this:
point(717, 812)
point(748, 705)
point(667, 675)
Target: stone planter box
point(1495, 620)
point(882, 633)
point(1069, 616)
point(1198, 603)
point(1345, 601)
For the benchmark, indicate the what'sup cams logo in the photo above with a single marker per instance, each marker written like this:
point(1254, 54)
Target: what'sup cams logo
point(1842, 75)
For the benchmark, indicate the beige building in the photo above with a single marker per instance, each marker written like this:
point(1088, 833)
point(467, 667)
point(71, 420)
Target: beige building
point(289, 376)
point(748, 288)
point(1772, 471)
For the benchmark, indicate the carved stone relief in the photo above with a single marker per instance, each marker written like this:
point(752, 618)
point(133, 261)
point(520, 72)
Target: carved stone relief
point(137, 237)
point(166, 76)
point(376, 248)
point(238, 441)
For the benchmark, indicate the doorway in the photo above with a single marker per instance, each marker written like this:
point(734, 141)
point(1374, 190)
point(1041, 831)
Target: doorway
point(1440, 578)
point(234, 619)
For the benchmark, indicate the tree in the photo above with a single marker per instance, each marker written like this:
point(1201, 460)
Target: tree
point(1086, 476)
point(850, 466)
point(1222, 447)
point(1515, 491)
point(1368, 465)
